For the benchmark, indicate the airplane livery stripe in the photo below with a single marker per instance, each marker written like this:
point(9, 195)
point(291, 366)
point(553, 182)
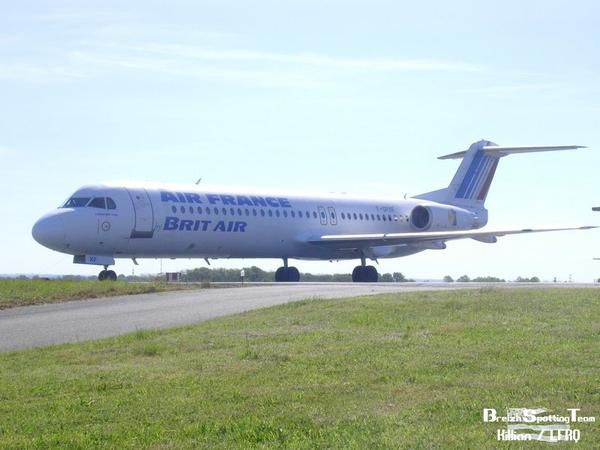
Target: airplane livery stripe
point(469, 175)
point(486, 186)
point(477, 180)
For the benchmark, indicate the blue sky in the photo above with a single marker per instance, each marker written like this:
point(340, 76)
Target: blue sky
point(329, 95)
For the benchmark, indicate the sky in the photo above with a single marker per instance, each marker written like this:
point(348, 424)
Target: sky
point(344, 96)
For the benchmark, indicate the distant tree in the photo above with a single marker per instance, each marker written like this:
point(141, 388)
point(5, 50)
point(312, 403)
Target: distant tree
point(464, 279)
point(398, 277)
point(448, 279)
point(488, 279)
point(527, 280)
point(386, 278)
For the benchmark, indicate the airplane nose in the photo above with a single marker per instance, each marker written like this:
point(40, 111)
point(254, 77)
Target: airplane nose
point(49, 231)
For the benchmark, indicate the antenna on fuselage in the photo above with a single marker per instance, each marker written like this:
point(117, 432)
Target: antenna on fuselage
point(199, 180)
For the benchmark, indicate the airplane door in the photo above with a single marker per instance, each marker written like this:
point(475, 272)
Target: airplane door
point(332, 215)
point(322, 215)
point(143, 213)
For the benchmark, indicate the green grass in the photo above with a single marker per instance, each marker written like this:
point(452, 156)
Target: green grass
point(407, 370)
point(32, 292)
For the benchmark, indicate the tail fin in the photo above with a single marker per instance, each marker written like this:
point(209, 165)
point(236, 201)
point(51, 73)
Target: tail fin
point(472, 181)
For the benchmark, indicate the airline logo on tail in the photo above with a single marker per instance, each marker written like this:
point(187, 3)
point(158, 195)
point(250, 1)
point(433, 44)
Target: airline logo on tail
point(477, 181)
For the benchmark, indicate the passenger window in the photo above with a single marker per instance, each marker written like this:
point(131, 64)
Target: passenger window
point(270, 213)
point(207, 210)
point(355, 216)
point(293, 214)
point(378, 217)
point(253, 212)
point(277, 213)
point(262, 212)
point(174, 209)
point(366, 217)
point(191, 210)
point(360, 216)
point(182, 209)
point(216, 210)
point(300, 214)
point(284, 213)
point(343, 216)
point(224, 211)
point(232, 211)
point(389, 218)
point(314, 215)
point(384, 219)
point(110, 203)
point(199, 209)
point(372, 216)
point(240, 212)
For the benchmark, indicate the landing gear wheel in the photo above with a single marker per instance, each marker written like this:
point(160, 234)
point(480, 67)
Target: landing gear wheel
point(287, 274)
point(365, 274)
point(109, 275)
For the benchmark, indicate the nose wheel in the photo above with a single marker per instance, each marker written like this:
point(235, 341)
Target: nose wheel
point(107, 275)
point(285, 273)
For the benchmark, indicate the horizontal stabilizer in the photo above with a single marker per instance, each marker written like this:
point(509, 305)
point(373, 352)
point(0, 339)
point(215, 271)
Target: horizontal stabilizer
point(495, 150)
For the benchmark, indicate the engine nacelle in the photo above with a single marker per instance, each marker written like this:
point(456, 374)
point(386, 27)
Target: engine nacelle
point(443, 217)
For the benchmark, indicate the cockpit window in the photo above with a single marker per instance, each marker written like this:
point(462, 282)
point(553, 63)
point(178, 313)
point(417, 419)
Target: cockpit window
point(110, 203)
point(76, 202)
point(98, 202)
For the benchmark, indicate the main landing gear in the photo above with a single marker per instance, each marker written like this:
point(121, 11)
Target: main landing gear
point(109, 275)
point(285, 273)
point(364, 273)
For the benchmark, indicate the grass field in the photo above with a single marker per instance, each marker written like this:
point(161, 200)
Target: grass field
point(32, 292)
point(410, 370)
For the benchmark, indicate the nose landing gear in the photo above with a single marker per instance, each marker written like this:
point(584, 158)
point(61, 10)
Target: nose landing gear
point(109, 275)
point(285, 273)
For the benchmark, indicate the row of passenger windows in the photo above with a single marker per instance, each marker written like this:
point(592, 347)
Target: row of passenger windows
point(284, 213)
point(96, 202)
point(247, 212)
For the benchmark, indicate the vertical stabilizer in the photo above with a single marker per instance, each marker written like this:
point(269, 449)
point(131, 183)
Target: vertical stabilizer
point(471, 183)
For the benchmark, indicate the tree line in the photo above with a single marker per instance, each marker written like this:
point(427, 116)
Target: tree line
point(489, 279)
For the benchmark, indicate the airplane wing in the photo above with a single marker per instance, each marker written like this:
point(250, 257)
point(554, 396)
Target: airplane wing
point(375, 240)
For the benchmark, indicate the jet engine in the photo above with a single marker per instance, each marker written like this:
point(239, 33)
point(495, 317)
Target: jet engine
point(434, 217)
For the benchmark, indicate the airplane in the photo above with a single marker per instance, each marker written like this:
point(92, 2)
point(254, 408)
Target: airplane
point(148, 220)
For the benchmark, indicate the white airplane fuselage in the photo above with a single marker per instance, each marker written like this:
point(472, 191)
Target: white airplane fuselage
point(203, 222)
